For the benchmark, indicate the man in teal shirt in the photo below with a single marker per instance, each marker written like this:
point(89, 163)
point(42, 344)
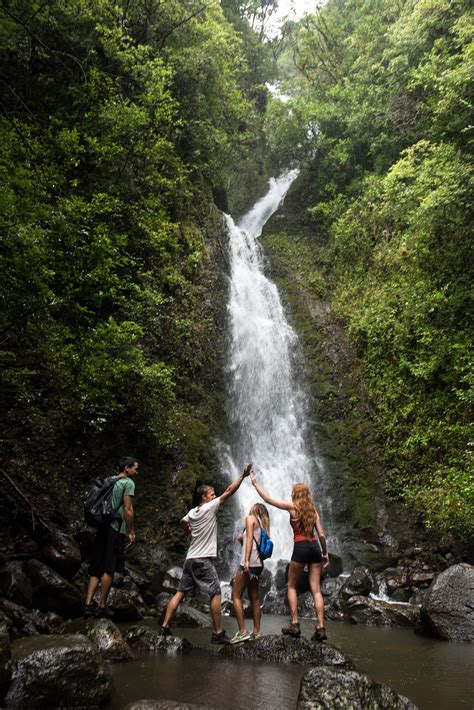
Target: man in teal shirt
point(108, 555)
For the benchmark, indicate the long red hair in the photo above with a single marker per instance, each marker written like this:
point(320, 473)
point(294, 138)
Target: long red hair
point(304, 504)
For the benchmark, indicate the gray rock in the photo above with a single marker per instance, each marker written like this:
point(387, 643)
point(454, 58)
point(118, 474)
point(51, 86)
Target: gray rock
point(28, 622)
point(336, 689)
point(32, 584)
point(284, 649)
point(172, 579)
point(145, 640)
point(56, 671)
point(5, 659)
point(104, 635)
point(62, 554)
point(448, 607)
point(127, 604)
point(163, 705)
point(186, 615)
point(360, 583)
point(374, 612)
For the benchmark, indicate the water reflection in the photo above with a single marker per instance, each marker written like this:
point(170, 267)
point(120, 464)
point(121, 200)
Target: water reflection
point(433, 674)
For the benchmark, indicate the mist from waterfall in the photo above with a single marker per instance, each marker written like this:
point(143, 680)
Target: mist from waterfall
point(266, 403)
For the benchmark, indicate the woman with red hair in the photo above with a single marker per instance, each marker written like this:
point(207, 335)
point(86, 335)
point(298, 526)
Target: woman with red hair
point(307, 550)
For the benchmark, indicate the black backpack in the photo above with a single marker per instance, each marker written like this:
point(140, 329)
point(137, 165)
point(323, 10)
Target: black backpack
point(98, 509)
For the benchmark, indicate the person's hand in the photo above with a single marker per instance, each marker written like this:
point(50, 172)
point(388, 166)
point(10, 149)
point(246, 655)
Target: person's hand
point(247, 471)
point(325, 560)
point(253, 478)
point(246, 567)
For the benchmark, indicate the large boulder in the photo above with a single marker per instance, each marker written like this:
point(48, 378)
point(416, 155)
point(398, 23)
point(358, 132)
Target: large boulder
point(374, 612)
point(104, 635)
point(283, 649)
point(163, 705)
point(56, 671)
point(61, 553)
point(336, 689)
point(32, 584)
point(144, 640)
point(360, 583)
point(126, 604)
point(28, 622)
point(448, 610)
point(186, 615)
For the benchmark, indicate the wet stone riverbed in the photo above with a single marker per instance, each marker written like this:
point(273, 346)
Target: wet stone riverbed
point(435, 675)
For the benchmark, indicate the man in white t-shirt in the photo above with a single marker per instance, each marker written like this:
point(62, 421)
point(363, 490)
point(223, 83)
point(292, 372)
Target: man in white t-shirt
point(199, 571)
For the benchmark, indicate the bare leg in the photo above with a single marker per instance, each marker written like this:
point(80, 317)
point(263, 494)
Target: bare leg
point(294, 573)
point(255, 604)
point(91, 589)
point(241, 579)
point(315, 584)
point(105, 584)
point(216, 613)
point(173, 604)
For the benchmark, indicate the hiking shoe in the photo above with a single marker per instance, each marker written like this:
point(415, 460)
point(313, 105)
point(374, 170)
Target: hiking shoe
point(221, 638)
point(255, 635)
point(319, 634)
point(240, 636)
point(292, 629)
point(165, 631)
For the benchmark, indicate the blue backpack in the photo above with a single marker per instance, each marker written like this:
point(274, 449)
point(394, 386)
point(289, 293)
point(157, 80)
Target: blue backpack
point(265, 546)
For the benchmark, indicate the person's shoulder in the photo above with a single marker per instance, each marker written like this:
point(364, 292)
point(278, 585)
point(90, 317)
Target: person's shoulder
point(128, 486)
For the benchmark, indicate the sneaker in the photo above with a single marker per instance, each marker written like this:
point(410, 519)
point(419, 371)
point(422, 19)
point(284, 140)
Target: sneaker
point(255, 635)
point(165, 631)
point(240, 636)
point(319, 634)
point(221, 638)
point(292, 629)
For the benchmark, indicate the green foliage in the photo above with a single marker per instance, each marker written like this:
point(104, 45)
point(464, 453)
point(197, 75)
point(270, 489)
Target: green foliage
point(390, 186)
point(119, 121)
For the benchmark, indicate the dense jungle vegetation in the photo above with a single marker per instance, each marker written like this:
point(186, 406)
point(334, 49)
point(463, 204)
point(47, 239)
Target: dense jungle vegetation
point(380, 115)
point(125, 125)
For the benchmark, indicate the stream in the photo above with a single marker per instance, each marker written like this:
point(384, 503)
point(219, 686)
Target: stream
point(433, 674)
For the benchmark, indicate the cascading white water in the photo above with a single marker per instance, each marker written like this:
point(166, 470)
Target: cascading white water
point(267, 406)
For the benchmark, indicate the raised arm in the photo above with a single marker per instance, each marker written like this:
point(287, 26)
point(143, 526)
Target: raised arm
point(248, 540)
point(268, 499)
point(235, 485)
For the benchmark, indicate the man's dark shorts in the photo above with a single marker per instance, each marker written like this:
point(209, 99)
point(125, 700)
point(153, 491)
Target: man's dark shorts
point(108, 554)
point(201, 573)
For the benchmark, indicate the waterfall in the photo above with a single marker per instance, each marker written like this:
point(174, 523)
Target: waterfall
point(267, 405)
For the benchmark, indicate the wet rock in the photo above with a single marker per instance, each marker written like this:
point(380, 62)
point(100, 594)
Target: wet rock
point(448, 609)
point(161, 602)
point(28, 622)
point(335, 565)
point(186, 615)
point(32, 584)
point(374, 612)
point(126, 604)
point(56, 671)
point(163, 705)
point(104, 635)
point(360, 583)
point(337, 688)
point(284, 649)
point(5, 659)
point(145, 640)
point(374, 557)
point(330, 587)
point(172, 579)
point(62, 554)
point(275, 603)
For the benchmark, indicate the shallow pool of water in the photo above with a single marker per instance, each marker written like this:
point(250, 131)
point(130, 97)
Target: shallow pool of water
point(435, 675)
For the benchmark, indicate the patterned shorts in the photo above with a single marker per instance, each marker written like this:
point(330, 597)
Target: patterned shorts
point(200, 573)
